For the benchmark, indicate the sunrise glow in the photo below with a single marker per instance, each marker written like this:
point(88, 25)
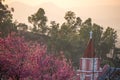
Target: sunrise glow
point(70, 3)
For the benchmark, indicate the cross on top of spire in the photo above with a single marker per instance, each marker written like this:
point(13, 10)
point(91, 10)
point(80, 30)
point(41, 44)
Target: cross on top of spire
point(91, 34)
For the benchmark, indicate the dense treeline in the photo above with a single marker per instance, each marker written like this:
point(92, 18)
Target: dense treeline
point(71, 37)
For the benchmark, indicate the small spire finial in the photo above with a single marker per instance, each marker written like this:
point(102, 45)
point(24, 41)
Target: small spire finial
point(91, 34)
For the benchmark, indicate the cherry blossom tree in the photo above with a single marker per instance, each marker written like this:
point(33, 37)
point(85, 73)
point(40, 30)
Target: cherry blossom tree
point(13, 53)
point(20, 60)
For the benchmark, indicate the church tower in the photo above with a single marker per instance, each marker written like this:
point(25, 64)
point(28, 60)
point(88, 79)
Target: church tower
point(89, 64)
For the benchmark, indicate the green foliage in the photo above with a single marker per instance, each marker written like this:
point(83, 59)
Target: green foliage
point(53, 33)
point(6, 24)
point(70, 17)
point(105, 61)
point(39, 21)
point(73, 35)
point(108, 40)
point(116, 58)
point(22, 27)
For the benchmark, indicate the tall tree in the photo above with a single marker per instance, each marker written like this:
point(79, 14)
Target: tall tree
point(108, 40)
point(53, 34)
point(6, 24)
point(68, 37)
point(38, 20)
point(97, 35)
point(70, 17)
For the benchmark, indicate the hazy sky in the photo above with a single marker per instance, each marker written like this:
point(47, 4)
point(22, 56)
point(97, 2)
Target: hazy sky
point(70, 3)
point(103, 12)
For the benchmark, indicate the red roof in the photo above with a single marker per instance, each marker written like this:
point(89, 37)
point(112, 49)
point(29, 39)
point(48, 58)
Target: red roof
point(89, 52)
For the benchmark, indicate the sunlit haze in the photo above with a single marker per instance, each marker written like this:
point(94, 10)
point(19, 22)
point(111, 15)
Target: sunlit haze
point(103, 12)
point(70, 3)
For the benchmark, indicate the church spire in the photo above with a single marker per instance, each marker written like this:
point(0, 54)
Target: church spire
point(89, 52)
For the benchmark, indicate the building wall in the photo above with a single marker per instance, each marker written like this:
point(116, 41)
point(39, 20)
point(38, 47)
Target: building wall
point(86, 71)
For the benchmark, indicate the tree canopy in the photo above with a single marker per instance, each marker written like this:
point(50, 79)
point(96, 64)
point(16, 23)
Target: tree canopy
point(6, 23)
point(38, 20)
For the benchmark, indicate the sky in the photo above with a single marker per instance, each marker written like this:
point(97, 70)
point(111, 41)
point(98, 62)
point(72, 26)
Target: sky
point(70, 3)
point(103, 12)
